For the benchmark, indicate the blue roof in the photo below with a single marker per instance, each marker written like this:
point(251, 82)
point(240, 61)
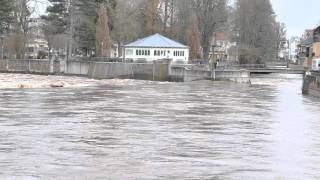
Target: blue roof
point(156, 40)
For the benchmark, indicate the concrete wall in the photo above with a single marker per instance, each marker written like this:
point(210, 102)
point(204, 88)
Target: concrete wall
point(107, 70)
point(185, 74)
point(240, 76)
point(311, 84)
point(77, 68)
point(157, 71)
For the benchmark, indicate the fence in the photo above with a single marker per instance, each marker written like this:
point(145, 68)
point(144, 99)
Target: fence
point(30, 65)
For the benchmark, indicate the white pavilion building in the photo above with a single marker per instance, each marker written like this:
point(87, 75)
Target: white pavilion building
point(156, 47)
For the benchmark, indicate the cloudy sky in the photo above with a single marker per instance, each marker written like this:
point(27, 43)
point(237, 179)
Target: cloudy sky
point(297, 14)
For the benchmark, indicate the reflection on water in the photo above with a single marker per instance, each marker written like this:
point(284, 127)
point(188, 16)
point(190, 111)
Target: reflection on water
point(152, 130)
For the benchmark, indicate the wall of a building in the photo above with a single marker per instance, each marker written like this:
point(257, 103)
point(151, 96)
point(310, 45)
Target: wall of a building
point(316, 49)
point(152, 57)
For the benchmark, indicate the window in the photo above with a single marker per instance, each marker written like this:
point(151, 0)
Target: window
point(155, 53)
point(158, 52)
point(142, 52)
point(137, 52)
point(129, 52)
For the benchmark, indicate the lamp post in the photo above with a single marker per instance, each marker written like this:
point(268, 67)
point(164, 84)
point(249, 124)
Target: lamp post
point(214, 45)
point(213, 72)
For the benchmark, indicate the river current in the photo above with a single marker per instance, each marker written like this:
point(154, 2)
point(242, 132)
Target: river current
point(127, 129)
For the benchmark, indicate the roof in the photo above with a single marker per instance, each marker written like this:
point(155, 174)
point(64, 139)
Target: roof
point(156, 40)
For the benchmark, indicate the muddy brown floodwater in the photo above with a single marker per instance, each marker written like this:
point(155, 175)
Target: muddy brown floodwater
point(126, 129)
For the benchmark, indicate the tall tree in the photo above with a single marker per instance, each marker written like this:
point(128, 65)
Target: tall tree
point(184, 10)
point(20, 27)
point(211, 15)
point(255, 29)
point(58, 15)
point(152, 17)
point(6, 17)
point(85, 17)
point(193, 36)
point(103, 40)
point(281, 37)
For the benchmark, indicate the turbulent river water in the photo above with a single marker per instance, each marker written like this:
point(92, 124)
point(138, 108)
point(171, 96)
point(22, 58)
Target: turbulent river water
point(126, 129)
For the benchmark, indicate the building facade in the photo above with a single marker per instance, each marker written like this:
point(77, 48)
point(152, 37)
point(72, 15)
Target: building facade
point(305, 49)
point(37, 45)
point(222, 47)
point(156, 47)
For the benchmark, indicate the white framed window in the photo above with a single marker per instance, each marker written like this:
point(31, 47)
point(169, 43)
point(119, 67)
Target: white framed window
point(129, 52)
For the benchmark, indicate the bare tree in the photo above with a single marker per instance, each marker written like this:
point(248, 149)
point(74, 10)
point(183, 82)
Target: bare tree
point(256, 32)
point(103, 40)
point(281, 37)
point(193, 36)
point(211, 15)
point(152, 17)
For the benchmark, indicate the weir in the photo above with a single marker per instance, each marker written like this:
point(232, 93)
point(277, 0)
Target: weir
point(156, 71)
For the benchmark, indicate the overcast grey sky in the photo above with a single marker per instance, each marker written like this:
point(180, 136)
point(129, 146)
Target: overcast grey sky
point(297, 14)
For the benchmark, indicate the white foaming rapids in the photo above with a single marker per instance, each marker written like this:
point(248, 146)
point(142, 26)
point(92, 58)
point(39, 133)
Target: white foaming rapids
point(40, 81)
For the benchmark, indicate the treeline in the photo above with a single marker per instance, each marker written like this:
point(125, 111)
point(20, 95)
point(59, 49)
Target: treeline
point(14, 29)
point(91, 27)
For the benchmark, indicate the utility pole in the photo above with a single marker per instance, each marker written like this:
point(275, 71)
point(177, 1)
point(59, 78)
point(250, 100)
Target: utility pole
point(213, 71)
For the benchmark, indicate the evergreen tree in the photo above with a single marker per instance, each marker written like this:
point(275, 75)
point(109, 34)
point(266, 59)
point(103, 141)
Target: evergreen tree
point(85, 25)
point(6, 15)
point(59, 16)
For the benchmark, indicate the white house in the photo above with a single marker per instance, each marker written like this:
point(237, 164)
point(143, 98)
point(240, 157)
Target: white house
point(156, 47)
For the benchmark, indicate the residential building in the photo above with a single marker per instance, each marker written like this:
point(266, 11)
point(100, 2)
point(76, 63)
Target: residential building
point(316, 50)
point(37, 45)
point(224, 49)
point(156, 47)
point(305, 49)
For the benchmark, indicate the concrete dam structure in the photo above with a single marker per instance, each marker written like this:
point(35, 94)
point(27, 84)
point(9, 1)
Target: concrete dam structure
point(156, 71)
